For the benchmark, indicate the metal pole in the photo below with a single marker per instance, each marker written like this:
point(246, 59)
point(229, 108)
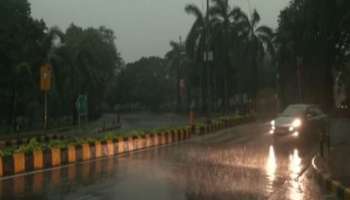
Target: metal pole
point(207, 61)
point(79, 122)
point(45, 110)
point(299, 63)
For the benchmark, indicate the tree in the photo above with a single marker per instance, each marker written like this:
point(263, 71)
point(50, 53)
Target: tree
point(146, 83)
point(176, 59)
point(316, 32)
point(88, 62)
point(221, 22)
point(195, 48)
point(258, 38)
point(84, 62)
point(19, 57)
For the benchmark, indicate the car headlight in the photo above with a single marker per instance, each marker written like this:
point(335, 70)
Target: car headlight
point(296, 123)
point(273, 123)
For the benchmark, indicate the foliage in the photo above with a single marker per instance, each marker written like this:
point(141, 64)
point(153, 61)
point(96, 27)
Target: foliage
point(238, 44)
point(83, 60)
point(315, 35)
point(20, 54)
point(8, 151)
point(145, 82)
point(32, 146)
point(178, 63)
point(61, 144)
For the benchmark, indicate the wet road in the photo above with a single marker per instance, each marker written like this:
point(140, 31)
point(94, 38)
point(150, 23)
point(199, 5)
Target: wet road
point(240, 163)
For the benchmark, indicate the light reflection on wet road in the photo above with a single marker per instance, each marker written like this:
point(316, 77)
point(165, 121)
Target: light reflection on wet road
point(271, 167)
point(242, 163)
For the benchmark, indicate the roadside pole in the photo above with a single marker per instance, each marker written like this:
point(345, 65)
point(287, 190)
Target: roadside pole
point(45, 110)
point(81, 105)
point(192, 118)
point(208, 56)
point(299, 66)
point(45, 86)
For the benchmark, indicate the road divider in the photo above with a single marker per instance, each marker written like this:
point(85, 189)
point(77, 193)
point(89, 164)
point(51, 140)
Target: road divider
point(334, 186)
point(35, 156)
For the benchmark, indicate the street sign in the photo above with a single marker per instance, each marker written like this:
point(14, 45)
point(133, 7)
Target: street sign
point(45, 77)
point(82, 104)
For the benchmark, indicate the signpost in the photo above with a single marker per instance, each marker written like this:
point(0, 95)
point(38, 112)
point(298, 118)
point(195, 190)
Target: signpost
point(45, 86)
point(81, 105)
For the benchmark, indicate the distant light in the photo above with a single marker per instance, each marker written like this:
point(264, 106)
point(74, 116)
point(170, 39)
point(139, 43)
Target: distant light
point(291, 129)
point(272, 132)
point(296, 134)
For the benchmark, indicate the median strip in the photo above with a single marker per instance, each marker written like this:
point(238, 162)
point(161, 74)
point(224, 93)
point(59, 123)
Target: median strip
point(36, 156)
point(334, 186)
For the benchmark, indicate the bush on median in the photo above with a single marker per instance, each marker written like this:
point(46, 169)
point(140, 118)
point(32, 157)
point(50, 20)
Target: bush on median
point(34, 145)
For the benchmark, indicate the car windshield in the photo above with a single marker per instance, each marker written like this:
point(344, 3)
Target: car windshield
point(293, 111)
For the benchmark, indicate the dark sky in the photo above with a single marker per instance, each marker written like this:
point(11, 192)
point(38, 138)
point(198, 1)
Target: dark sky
point(142, 27)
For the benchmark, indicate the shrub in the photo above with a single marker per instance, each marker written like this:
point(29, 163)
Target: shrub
point(8, 151)
point(57, 144)
point(32, 146)
point(109, 136)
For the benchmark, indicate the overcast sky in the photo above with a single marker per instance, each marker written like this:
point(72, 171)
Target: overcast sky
point(142, 27)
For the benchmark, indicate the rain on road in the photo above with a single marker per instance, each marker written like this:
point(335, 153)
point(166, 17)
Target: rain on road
point(239, 163)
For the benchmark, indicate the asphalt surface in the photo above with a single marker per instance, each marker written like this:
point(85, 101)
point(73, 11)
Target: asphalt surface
point(240, 163)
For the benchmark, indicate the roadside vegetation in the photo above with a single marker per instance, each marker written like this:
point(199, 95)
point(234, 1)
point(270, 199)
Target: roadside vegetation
point(297, 62)
point(34, 145)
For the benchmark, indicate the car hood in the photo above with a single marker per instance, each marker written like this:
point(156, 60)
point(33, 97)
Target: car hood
point(284, 121)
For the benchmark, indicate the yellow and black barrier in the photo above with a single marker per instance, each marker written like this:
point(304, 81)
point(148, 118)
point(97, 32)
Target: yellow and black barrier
point(41, 159)
point(333, 186)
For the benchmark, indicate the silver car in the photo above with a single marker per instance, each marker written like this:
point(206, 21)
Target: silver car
point(298, 120)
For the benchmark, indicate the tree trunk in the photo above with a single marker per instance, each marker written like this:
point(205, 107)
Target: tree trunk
point(178, 96)
point(13, 108)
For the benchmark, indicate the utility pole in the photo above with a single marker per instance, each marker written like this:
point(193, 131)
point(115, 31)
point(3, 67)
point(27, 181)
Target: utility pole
point(207, 59)
point(45, 86)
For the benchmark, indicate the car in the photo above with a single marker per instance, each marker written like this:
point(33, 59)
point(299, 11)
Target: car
point(299, 120)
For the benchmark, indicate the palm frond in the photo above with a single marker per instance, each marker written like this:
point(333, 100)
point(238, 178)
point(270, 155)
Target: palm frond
point(239, 15)
point(192, 9)
point(220, 7)
point(265, 30)
point(255, 19)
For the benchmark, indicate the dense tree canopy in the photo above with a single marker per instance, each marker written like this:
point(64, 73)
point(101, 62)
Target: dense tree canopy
point(314, 35)
point(83, 61)
point(21, 52)
point(238, 45)
point(226, 52)
point(146, 83)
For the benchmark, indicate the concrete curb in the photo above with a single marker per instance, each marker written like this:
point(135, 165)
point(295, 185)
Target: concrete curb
point(334, 186)
point(20, 163)
point(43, 159)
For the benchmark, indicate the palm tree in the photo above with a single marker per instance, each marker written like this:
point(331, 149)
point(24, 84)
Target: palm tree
point(196, 45)
point(221, 21)
point(258, 38)
point(176, 58)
